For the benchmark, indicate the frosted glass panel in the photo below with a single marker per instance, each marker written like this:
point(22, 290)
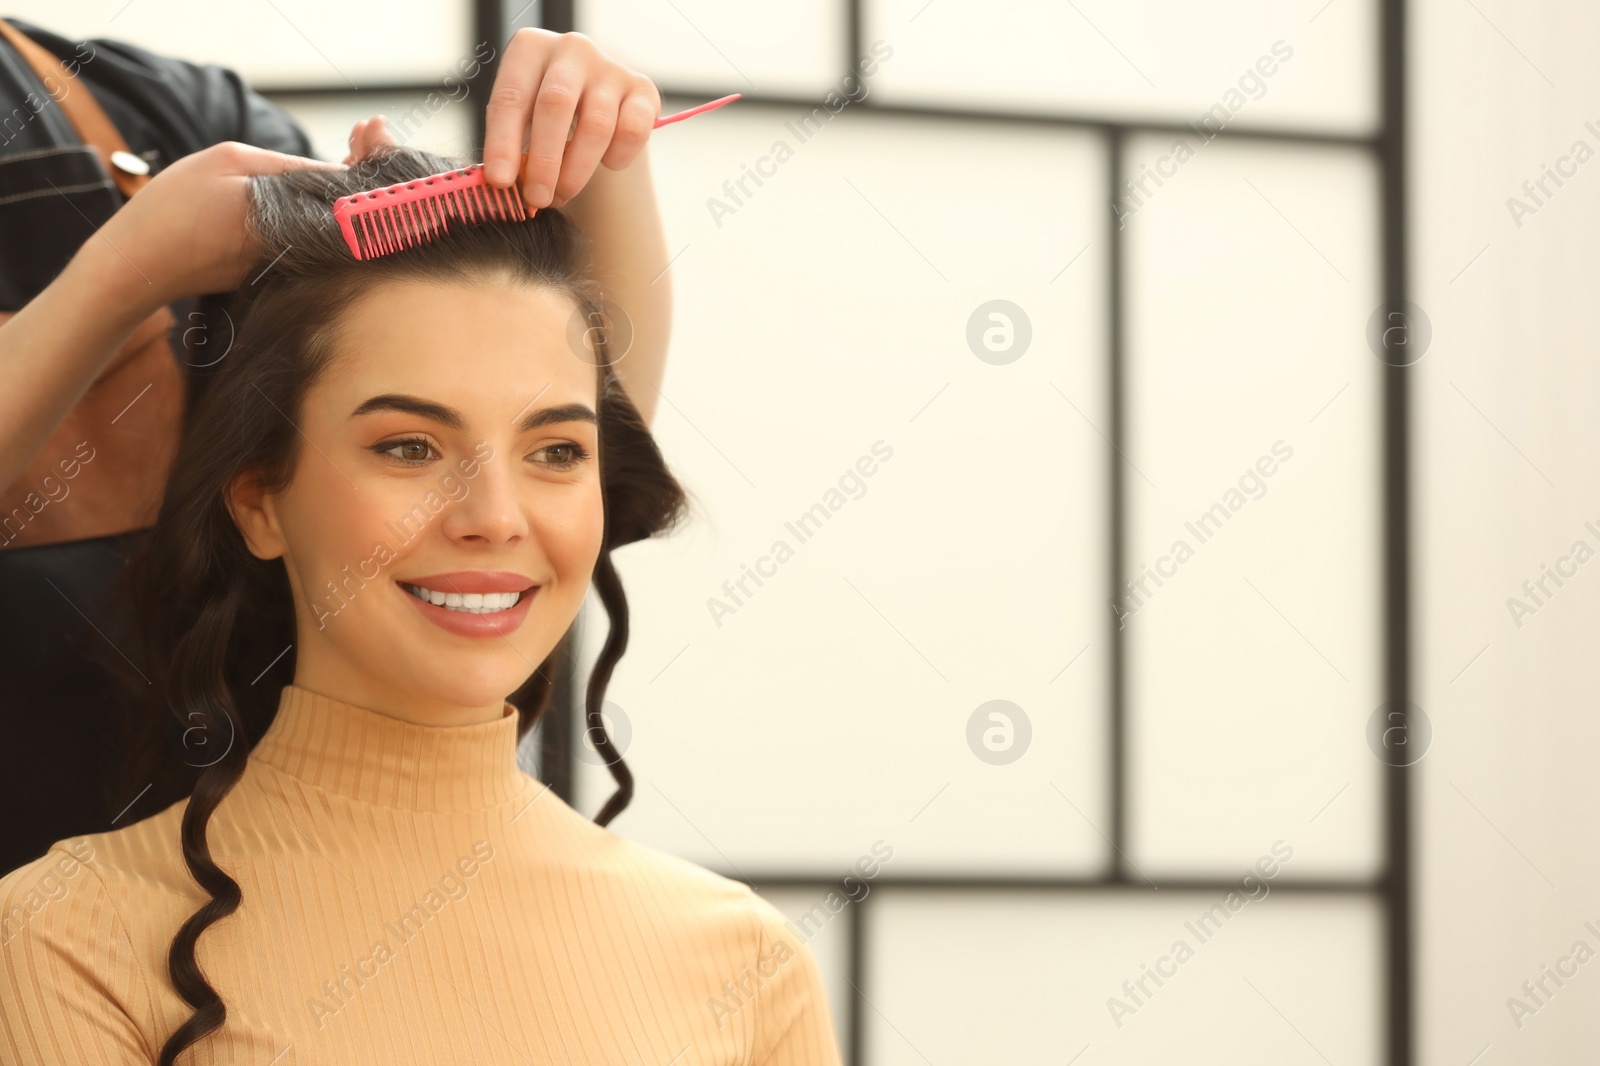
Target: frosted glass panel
point(768, 48)
point(957, 977)
point(1263, 62)
point(285, 43)
point(1252, 618)
point(940, 514)
point(437, 123)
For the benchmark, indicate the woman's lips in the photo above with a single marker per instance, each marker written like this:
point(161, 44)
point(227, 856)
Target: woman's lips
point(473, 581)
point(463, 623)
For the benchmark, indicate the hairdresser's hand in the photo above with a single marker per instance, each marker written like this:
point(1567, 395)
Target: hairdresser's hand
point(184, 233)
point(367, 135)
point(554, 85)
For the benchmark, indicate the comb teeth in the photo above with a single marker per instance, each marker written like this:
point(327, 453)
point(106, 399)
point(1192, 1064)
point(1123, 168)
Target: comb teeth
point(410, 213)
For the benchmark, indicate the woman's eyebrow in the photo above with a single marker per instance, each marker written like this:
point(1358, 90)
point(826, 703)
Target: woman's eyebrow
point(452, 419)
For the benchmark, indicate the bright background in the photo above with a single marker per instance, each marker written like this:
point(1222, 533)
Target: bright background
point(1155, 760)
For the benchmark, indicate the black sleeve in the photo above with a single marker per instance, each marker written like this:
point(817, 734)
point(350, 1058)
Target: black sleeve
point(171, 107)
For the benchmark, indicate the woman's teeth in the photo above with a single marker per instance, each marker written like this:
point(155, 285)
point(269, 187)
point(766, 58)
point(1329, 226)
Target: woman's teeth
point(466, 602)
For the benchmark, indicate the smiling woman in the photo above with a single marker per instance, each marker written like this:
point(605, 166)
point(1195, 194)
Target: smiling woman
point(299, 823)
point(392, 408)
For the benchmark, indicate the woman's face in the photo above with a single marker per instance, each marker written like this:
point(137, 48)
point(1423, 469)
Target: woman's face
point(449, 451)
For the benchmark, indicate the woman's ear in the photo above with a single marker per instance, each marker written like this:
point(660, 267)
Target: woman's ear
point(254, 511)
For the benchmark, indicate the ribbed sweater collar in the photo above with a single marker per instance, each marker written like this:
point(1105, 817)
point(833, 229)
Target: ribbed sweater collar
point(369, 756)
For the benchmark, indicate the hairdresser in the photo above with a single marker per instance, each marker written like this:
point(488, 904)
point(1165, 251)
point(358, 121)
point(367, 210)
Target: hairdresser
point(111, 313)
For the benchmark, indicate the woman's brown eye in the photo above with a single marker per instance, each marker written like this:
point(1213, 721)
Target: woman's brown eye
point(413, 451)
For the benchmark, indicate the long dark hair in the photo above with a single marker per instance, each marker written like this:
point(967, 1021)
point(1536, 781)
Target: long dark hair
point(212, 615)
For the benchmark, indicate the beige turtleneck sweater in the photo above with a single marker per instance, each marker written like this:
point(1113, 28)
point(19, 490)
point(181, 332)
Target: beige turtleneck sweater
point(409, 896)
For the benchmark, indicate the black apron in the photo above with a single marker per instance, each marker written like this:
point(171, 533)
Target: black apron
point(56, 623)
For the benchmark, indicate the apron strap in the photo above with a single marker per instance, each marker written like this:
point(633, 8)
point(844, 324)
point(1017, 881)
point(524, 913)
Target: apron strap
point(82, 109)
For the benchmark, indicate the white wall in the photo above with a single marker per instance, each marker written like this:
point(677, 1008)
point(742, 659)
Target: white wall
point(1508, 404)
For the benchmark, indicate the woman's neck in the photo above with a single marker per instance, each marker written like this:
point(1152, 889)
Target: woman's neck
point(400, 702)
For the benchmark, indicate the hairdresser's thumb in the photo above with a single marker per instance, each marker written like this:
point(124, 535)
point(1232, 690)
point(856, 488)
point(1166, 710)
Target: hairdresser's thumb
point(248, 159)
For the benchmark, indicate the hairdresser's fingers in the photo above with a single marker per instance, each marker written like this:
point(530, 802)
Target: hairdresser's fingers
point(376, 134)
point(565, 82)
point(355, 134)
point(245, 159)
point(597, 118)
point(511, 102)
point(379, 133)
point(635, 119)
point(366, 135)
point(350, 143)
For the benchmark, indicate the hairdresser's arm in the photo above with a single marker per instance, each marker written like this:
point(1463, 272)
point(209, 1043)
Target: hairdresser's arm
point(617, 210)
point(181, 235)
point(52, 350)
point(547, 85)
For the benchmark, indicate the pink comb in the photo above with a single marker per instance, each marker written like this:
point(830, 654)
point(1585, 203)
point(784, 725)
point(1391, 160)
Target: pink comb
point(408, 213)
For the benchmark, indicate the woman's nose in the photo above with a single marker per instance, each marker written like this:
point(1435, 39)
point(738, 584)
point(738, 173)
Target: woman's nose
point(491, 508)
